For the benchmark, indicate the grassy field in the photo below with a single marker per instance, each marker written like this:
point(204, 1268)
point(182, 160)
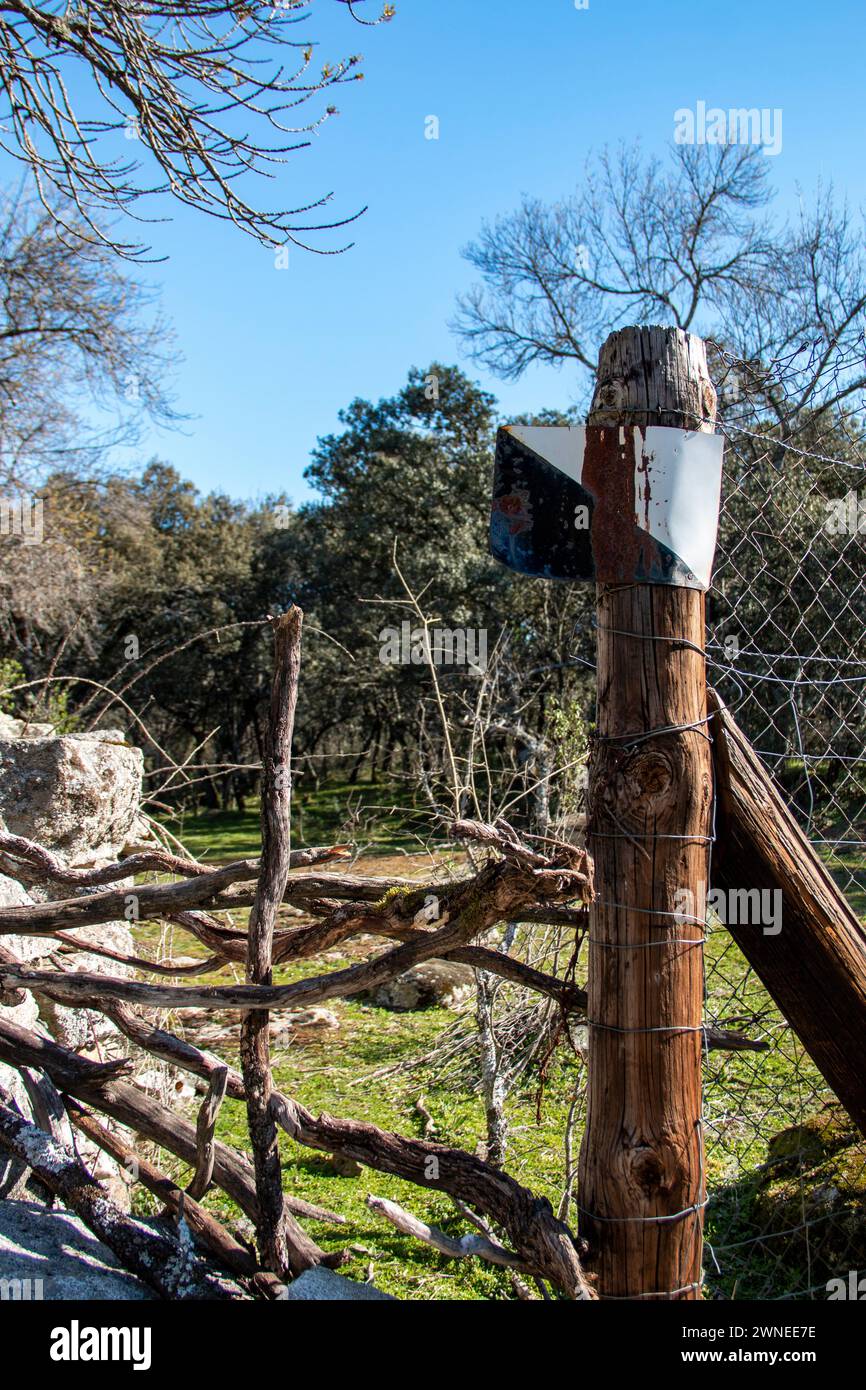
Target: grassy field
point(370, 1067)
point(379, 818)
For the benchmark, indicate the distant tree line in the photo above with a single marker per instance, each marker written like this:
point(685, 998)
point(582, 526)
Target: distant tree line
point(145, 603)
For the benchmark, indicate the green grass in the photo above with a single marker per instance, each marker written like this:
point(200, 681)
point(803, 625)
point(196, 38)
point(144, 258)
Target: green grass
point(382, 816)
point(330, 1075)
point(330, 1071)
point(848, 867)
point(749, 1097)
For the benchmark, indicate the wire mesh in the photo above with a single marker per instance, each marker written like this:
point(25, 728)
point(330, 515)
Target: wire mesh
point(786, 1168)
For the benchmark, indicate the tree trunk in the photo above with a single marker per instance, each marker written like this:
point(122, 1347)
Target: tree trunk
point(650, 812)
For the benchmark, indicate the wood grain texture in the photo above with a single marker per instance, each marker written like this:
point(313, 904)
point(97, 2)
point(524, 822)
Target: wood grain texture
point(815, 967)
point(641, 1157)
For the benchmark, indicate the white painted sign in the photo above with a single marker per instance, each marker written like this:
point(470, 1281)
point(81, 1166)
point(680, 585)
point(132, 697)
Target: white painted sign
point(645, 498)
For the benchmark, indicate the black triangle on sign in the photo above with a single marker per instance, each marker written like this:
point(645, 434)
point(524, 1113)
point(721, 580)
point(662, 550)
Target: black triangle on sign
point(546, 524)
point(540, 518)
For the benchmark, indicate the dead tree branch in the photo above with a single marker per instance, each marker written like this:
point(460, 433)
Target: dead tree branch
point(273, 876)
point(101, 1085)
point(204, 1227)
point(456, 1249)
point(166, 1265)
point(204, 1133)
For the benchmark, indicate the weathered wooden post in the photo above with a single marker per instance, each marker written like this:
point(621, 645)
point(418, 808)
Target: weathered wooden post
point(814, 967)
point(642, 505)
point(642, 1188)
point(283, 1245)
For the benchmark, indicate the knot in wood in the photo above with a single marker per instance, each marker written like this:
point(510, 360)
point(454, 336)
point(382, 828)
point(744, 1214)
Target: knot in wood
point(648, 1171)
point(638, 781)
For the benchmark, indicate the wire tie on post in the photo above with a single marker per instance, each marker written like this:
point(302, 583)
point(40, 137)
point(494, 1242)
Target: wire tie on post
point(661, 1293)
point(632, 740)
point(681, 918)
point(645, 945)
point(682, 642)
point(609, 835)
point(640, 1220)
point(663, 1028)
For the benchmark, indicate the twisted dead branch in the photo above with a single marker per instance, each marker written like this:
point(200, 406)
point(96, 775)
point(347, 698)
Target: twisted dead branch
point(204, 1227)
point(166, 1265)
point(274, 868)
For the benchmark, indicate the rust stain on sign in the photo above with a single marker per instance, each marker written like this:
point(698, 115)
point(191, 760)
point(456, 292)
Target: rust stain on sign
point(610, 503)
point(619, 546)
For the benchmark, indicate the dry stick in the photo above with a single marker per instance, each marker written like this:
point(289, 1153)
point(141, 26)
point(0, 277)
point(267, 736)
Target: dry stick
point(204, 1133)
point(206, 890)
point(10, 997)
point(36, 863)
point(39, 863)
point(205, 1228)
point(463, 1248)
point(106, 992)
point(42, 919)
point(162, 1263)
point(544, 1243)
point(46, 1104)
point(275, 1236)
point(100, 1084)
point(498, 892)
point(226, 942)
point(164, 967)
point(92, 991)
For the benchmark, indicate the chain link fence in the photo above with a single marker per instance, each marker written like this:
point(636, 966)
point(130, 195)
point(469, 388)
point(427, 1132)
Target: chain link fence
point(786, 1168)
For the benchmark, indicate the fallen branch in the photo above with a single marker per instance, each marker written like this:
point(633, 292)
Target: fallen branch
point(462, 1248)
point(100, 1085)
point(723, 1040)
point(167, 1266)
point(495, 894)
point(34, 863)
point(10, 997)
point(545, 1244)
point(208, 889)
point(204, 1227)
point(165, 967)
point(46, 1105)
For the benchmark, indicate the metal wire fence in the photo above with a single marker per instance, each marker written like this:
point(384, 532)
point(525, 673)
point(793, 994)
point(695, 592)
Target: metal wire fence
point(786, 1169)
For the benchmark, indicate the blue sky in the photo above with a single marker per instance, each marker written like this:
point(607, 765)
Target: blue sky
point(524, 91)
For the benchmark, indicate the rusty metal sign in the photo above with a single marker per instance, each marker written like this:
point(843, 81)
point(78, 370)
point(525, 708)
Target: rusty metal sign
point(613, 503)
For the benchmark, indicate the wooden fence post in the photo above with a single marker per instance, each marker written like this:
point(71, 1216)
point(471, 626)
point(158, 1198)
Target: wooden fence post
point(642, 1179)
point(283, 1246)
